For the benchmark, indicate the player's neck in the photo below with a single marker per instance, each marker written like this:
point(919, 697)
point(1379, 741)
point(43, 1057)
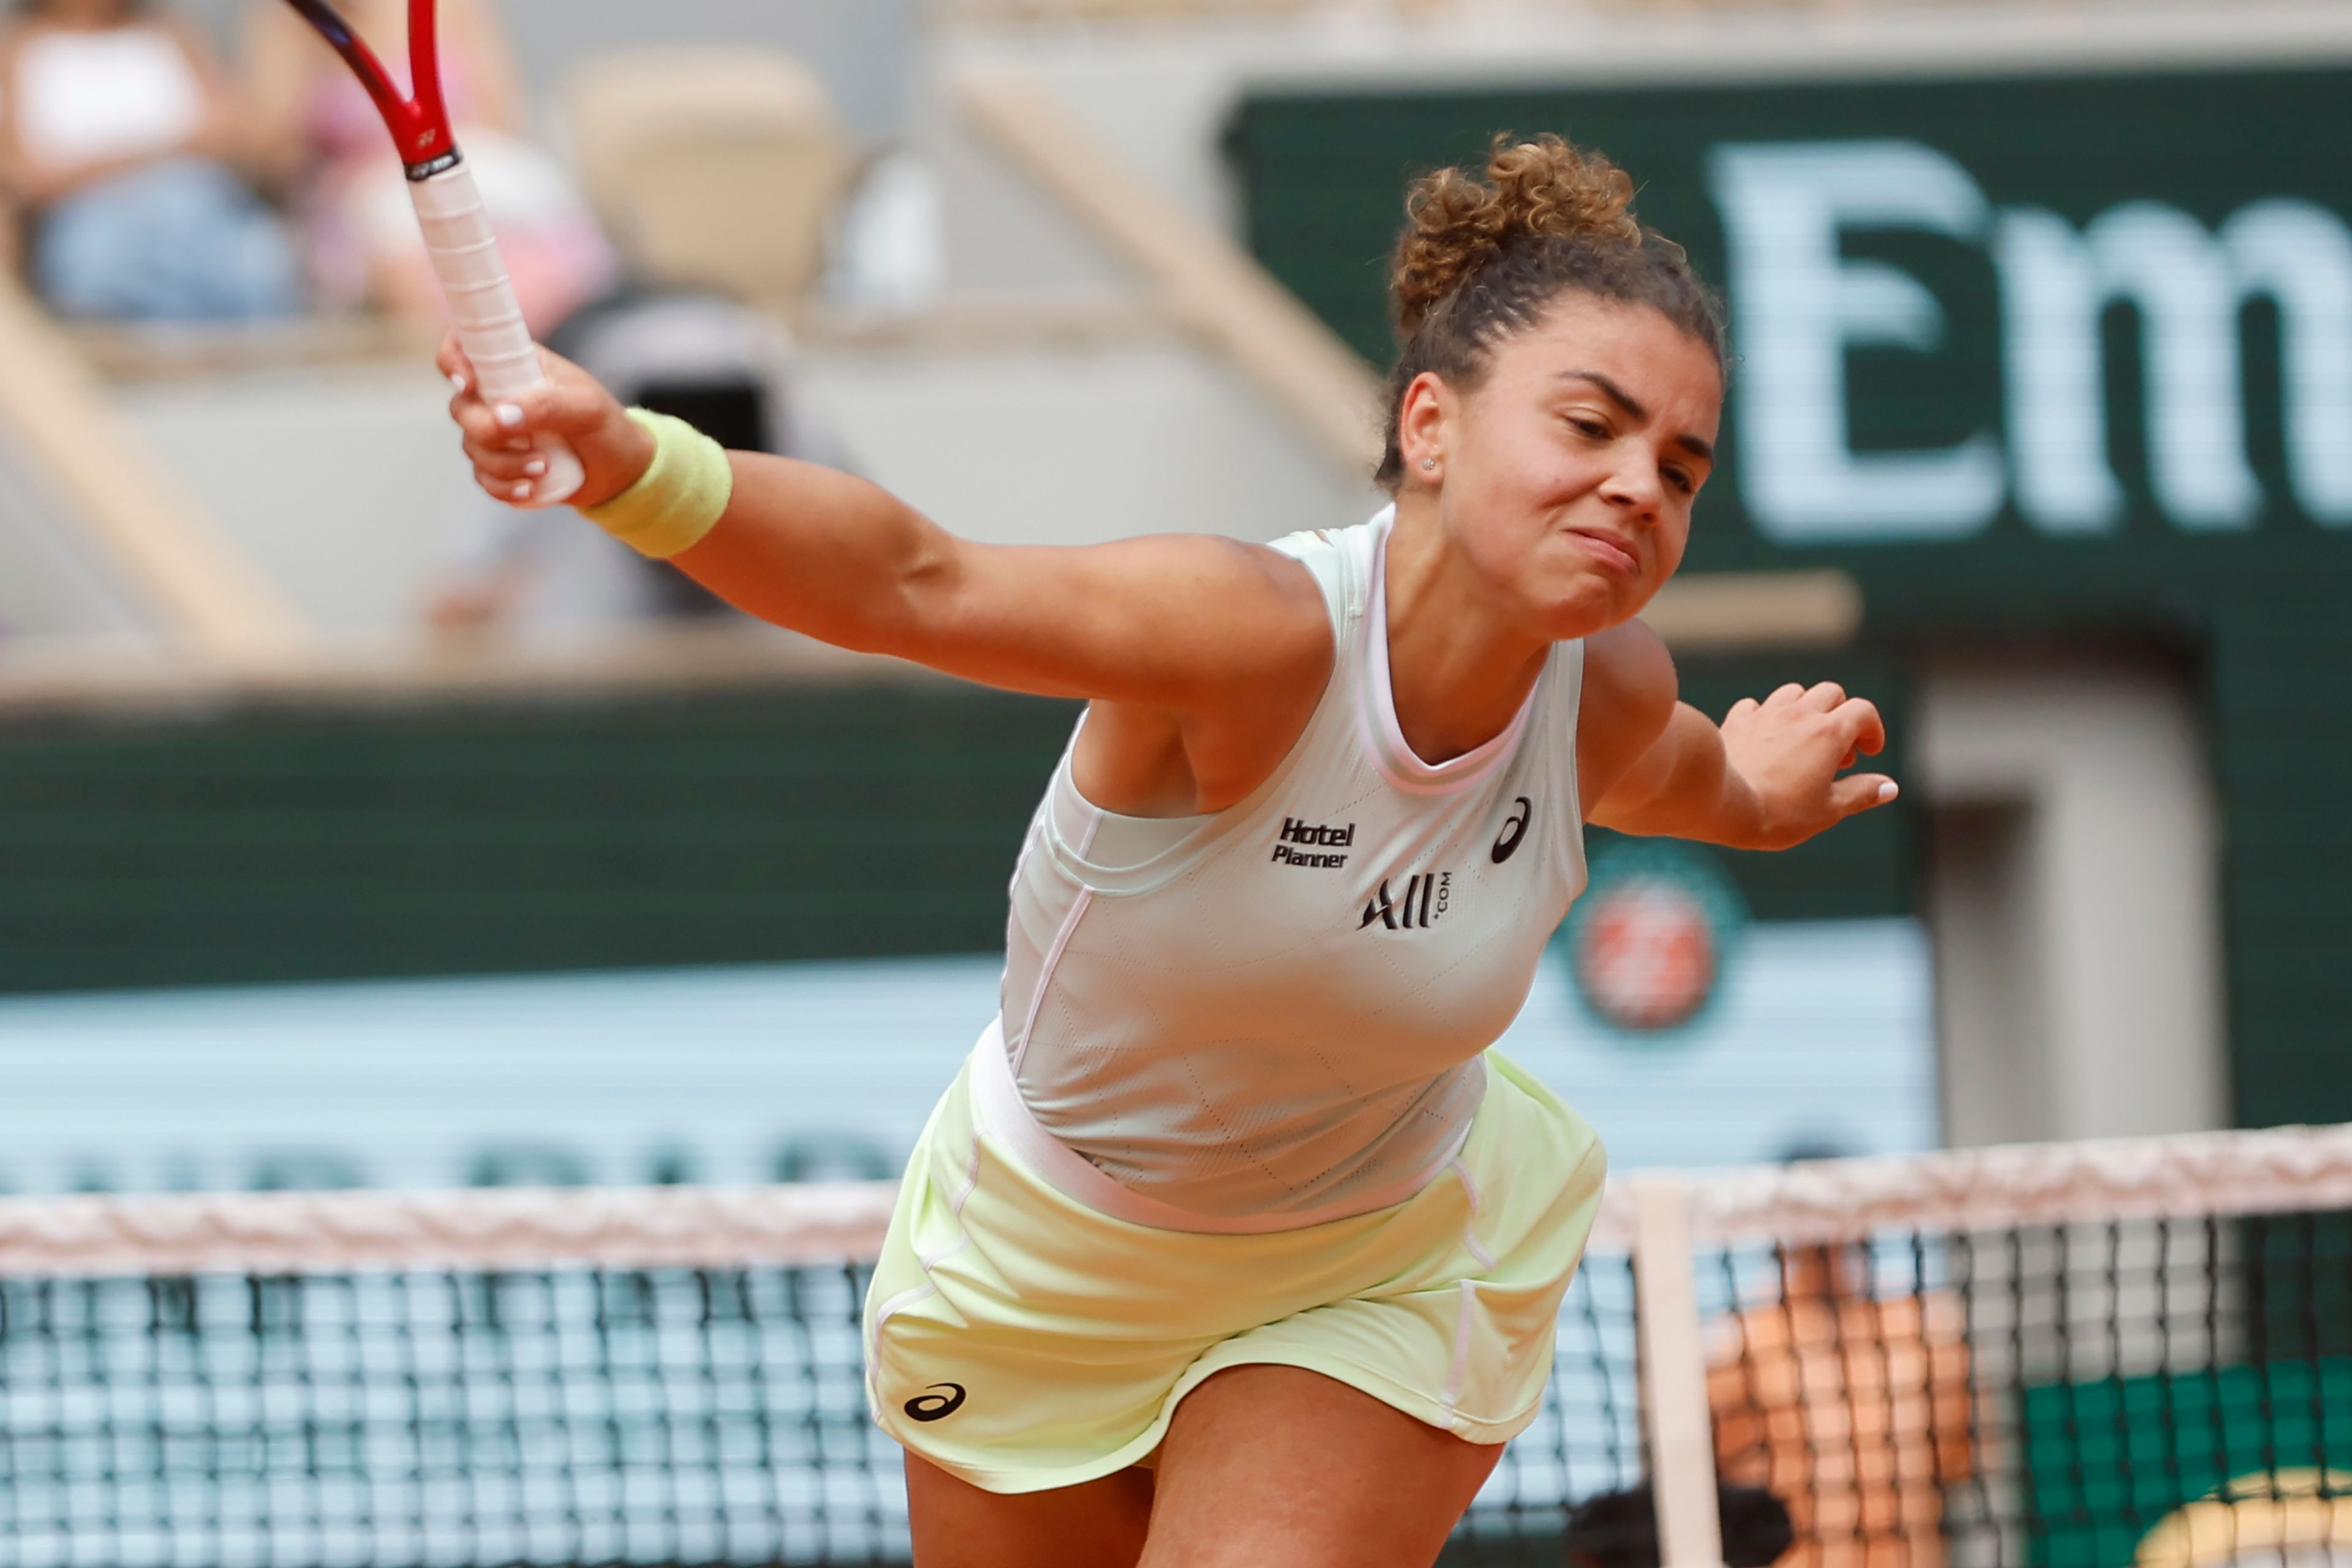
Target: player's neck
point(1457, 672)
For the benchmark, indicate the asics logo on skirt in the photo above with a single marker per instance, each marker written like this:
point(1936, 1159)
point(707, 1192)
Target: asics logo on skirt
point(932, 1405)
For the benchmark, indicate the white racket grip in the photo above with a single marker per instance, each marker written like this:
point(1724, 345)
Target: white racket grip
point(489, 319)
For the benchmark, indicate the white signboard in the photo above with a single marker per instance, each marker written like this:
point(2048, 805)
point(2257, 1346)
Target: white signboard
point(1820, 1036)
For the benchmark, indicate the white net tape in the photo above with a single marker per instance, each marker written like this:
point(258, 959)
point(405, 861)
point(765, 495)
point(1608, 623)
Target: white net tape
point(333, 1233)
point(2217, 1174)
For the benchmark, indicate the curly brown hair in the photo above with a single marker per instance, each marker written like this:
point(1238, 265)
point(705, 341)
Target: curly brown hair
point(1481, 259)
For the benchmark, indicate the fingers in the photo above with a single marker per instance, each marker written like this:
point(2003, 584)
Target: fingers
point(503, 435)
point(484, 430)
point(570, 410)
point(487, 427)
point(576, 406)
point(453, 361)
point(511, 490)
point(1858, 722)
point(499, 463)
point(568, 401)
point(1863, 791)
point(1822, 698)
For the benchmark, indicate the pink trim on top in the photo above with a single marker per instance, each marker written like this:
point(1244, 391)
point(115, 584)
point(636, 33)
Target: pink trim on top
point(1383, 737)
point(1004, 1116)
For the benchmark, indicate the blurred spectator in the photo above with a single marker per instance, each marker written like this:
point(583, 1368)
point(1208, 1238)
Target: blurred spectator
point(1853, 1409)
point(1620, 1530)
point(724, 368)
point(117, 141)
point(327, 148)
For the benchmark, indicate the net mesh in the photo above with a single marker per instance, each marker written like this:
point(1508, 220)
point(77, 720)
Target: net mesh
point(657, 1377)
point(2142, 1360)
point(2091, 1357)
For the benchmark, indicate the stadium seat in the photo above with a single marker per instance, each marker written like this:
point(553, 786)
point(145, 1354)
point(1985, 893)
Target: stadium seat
point(668, 143)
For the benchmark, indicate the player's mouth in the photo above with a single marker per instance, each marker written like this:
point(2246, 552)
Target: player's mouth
point(1610, 554)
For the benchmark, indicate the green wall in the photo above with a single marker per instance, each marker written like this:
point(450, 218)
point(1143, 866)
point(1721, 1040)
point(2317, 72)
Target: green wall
point(279, 844)
point(2179, 244)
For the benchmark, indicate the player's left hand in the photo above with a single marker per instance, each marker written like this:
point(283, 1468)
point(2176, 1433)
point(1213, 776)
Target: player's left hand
point(1790, 749)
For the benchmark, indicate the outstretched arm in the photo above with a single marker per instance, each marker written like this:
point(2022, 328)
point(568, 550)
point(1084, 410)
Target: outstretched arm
point(1766, 778)
point(1179, 624)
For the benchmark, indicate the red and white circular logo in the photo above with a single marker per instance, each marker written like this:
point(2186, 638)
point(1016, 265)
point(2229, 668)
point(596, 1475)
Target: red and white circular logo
point(1645, 955)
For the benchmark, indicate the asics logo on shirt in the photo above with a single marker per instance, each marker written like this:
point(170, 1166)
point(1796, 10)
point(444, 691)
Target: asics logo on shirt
point(1426, 895)
point(932, 1405)
point(1515, 828)
point(1300, 842)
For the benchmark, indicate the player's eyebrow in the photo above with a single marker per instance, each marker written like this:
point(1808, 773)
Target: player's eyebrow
point(1610, 390)
point(1696, 447)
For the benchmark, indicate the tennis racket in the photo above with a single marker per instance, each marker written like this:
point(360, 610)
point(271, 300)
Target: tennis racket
point(456, 228)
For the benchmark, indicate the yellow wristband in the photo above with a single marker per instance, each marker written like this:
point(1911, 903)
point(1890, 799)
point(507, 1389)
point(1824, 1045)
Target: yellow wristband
point(677, 499)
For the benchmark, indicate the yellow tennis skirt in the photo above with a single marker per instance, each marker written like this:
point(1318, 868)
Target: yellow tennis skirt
point(1021, 1339)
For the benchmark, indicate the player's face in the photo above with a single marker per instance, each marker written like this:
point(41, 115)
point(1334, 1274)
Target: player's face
point(1568, 472)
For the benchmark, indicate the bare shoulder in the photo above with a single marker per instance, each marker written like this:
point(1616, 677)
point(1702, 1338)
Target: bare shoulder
point(1298, 632)
point(1629, 678)
point(1630, 690)
point(1284, 576)
point(1255, 612)
point(1235, 649)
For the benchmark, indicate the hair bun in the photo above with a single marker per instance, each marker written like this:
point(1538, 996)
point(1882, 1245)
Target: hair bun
point(1547, 187)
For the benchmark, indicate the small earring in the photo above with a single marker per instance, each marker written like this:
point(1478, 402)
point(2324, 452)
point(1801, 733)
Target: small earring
point(1429, 463)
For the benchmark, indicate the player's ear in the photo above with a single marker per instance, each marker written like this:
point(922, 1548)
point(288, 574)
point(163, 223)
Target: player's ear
point(1420, 422)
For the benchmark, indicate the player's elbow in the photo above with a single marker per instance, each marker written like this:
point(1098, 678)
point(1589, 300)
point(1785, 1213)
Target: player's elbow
point(914, 603)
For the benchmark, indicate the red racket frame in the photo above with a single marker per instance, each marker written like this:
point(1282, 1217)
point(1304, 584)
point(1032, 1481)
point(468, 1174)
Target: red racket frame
point(458, 238)
point(419, 123)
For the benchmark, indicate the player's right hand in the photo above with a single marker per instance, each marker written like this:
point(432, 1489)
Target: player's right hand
point(571, 405)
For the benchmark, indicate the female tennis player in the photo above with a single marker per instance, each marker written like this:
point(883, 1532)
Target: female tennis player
point(1233, 1242)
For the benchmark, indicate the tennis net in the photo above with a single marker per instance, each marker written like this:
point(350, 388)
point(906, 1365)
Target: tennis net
point(2056, 1358)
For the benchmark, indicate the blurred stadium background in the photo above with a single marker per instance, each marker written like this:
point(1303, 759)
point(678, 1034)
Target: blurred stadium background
point(354, 836)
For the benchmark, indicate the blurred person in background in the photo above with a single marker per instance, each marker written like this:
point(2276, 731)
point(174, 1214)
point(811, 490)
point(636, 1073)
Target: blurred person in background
point(325, 144)
point(1855, 1410)
point(120, 146)
point(1620, 1529)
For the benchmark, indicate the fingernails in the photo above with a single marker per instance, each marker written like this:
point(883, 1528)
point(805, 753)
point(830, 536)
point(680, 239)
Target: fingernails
point(1888, 791)
point(535, 467)
point(510, 414)
point(456, 380)
point(521, 492)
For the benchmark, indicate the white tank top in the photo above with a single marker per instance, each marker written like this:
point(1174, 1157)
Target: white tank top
point(1272, 1016)
point(122, 93)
